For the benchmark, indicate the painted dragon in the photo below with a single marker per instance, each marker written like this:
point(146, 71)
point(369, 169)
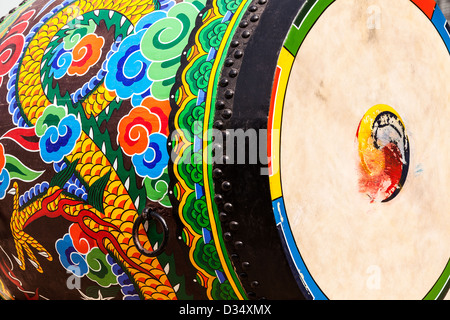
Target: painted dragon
point(109, 214)
point(82, 76)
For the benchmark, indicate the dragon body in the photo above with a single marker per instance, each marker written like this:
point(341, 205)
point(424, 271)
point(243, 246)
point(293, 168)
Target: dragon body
point(111, 225)
point(109, 214)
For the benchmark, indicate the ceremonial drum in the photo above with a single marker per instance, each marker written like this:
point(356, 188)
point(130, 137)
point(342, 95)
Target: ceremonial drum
point(224, 150)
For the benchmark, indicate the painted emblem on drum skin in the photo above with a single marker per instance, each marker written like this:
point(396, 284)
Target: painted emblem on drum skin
point(383, 148)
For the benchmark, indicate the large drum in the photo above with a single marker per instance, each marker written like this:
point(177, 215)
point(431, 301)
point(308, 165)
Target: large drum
point(224, 150)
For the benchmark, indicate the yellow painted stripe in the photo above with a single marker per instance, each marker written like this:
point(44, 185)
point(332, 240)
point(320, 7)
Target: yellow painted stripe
point(285, 63)
point(214, 70)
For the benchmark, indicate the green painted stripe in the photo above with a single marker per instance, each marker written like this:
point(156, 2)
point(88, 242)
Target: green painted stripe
point(440, 289)
point(209, 124)
point(308, 15)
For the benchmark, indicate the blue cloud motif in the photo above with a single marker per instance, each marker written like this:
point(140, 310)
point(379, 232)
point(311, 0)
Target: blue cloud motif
point(154, 160)
point(57, 142)
point(75, 187)
point(60, 62)
point(4, 183)
point(70, 258)
point(127, 68)
point(126, 284)
point(34, 191)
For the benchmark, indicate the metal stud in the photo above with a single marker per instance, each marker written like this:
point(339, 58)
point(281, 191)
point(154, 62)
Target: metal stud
point(234, 225)
point(226, 114)
point(246, 34)
point(238, 54)
point(226, 186)
point(229, 94)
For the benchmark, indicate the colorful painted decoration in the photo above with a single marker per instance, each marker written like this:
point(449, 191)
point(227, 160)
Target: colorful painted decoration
point(204, 149)
point(383, 148)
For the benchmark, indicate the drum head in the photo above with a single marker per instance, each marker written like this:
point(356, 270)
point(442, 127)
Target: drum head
point(363, 163)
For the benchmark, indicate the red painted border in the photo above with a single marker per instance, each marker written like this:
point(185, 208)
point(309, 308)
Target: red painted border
point(427, 6)
point(272, 107)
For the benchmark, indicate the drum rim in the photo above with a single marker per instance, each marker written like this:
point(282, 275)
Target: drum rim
point(248, 222)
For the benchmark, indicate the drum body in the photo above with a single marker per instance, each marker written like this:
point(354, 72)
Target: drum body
point(224, 150)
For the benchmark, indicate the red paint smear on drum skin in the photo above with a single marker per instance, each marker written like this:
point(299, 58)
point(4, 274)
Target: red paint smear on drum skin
point(381, 185)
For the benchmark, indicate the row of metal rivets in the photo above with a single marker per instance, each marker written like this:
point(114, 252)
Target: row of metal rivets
point(224, 111)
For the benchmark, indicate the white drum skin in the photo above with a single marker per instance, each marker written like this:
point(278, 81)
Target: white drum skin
point(355, 249)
